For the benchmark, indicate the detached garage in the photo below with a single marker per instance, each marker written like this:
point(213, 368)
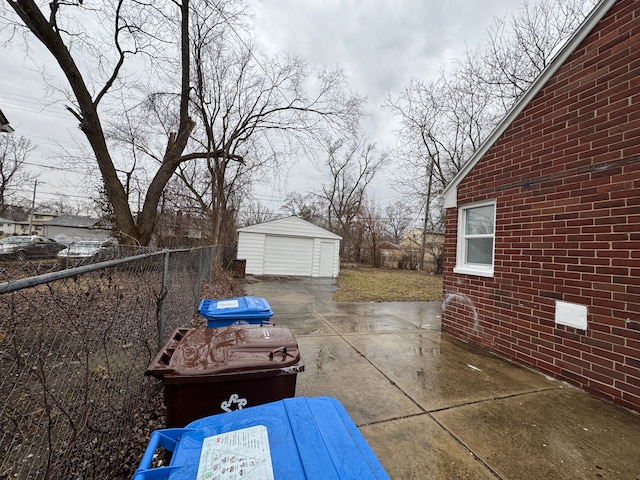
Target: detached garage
point(289, 246)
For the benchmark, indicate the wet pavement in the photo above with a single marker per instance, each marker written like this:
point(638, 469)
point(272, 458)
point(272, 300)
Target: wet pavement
point(432, 407)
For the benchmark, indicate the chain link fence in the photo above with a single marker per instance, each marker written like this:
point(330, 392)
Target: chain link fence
point(74, 345)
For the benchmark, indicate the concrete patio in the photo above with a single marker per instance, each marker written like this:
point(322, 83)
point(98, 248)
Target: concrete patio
point(432, 407)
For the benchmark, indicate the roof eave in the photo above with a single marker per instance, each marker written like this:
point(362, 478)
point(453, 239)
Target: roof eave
point(450, 193)
point(4, 124)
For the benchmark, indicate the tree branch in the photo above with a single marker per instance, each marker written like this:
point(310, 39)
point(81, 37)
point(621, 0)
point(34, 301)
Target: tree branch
point(216, 154)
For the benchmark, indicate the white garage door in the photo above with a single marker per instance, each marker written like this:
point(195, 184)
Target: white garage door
point(288, 256)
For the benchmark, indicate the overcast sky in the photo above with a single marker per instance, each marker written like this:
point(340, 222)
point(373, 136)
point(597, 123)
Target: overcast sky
point(380, 44)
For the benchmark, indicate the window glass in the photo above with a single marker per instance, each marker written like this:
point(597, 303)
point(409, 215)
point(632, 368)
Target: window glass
point(480, 250)
point(479, 220)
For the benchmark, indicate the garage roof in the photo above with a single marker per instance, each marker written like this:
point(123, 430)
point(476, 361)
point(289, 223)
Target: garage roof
point(291, 226)
point(77, 221)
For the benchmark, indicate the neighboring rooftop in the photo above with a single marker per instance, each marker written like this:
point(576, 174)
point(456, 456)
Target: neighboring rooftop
point(4, 124)
point(73, 221)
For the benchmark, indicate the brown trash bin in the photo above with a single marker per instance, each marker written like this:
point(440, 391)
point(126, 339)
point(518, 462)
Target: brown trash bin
point(206, 371)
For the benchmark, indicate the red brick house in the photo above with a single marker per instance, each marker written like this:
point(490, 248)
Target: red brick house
point(542, 247)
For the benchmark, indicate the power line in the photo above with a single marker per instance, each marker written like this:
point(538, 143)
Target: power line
point(60, 169)
point(25, 193)
point(52, 141)
point(32, 105)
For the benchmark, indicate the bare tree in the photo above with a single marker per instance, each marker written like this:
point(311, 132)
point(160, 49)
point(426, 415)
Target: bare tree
point(443, 122)
point(14, 151)
point(399, 217)
point(195, 189)
point(144, 46)
point(61, 205)
point(310, 207)
point(521, 45)
point(352, 167)
point(372, 225)
point(254, 213)
point(247, 104)
point(67, 39)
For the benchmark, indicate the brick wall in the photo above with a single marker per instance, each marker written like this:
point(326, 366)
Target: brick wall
point(566, 177)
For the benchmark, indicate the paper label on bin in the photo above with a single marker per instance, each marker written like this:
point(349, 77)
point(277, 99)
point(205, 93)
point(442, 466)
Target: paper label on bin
point(227, 304)
point(240, 454)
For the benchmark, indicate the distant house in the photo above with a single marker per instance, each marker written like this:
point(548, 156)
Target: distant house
point(34, 224)
point(74, 228)
point(390, 253)
point(289, 247)
point(4, 124)
point(411, 245)
point(7, 227)
point(542, 248)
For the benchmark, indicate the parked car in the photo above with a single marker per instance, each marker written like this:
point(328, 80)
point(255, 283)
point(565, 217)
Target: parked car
point(88, 251)
point(23, 247)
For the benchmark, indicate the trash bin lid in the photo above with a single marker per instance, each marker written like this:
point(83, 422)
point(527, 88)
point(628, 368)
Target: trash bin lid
point(237, 348)
point(295, 438)
point(243, 307)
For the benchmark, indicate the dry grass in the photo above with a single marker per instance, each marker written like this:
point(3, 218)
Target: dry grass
point(363, 284)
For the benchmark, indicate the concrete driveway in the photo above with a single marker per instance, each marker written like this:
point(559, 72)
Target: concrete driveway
point(432, 407)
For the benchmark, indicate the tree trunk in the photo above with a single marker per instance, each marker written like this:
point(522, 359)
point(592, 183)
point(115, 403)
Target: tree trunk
point(91, 125)
point(220, 200)
point(176, 143)
point(88, 115)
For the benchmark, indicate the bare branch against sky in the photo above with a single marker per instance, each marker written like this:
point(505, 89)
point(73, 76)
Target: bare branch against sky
point(379, 44)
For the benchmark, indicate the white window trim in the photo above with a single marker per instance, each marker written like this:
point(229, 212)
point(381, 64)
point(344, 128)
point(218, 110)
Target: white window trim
point(480, 270)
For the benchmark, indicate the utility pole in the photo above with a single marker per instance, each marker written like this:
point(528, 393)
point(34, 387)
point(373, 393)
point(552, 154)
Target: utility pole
point(427, 209)
point(33, 204)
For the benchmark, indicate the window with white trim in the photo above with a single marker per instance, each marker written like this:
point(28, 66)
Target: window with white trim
point(476, 239)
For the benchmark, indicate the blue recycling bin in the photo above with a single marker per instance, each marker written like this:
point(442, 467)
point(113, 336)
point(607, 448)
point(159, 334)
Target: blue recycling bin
point(235, 311)
point(295, 438)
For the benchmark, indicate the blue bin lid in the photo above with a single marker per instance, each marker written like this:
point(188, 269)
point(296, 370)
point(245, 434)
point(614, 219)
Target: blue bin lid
point(240, 307)
point(294, 438)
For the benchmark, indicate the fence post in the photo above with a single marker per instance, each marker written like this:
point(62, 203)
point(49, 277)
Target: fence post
point(212, 254)
point(163, 299)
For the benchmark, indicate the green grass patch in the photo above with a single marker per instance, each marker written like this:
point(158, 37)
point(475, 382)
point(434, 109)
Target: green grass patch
point(362, 284)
